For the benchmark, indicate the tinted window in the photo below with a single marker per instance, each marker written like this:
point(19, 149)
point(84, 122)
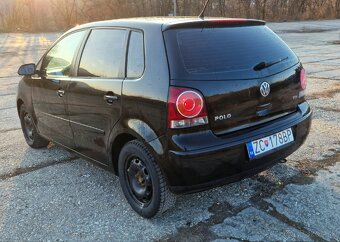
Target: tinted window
point(135, 65)
point(225, 53)
point(104, 54)
point(58, 60)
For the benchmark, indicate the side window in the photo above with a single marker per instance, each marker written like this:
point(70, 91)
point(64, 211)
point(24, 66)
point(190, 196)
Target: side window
point(135, 63)
point(104, 54)
point(58, 60)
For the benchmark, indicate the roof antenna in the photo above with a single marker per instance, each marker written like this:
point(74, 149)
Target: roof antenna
point(201, 16)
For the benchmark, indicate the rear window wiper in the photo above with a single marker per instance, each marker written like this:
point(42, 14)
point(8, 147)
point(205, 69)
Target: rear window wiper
point(263, 64)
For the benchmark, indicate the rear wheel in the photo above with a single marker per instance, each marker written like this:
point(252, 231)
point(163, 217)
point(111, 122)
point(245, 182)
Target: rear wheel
point(31, 135)
point(142, 181)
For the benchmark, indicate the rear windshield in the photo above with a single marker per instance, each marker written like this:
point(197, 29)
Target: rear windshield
point(225, 53)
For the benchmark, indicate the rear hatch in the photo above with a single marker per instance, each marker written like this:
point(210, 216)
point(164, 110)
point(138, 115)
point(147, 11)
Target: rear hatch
point(228, 63)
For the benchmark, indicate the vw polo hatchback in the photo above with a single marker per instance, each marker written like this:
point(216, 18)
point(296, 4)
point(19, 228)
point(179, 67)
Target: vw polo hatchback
point(170, 105)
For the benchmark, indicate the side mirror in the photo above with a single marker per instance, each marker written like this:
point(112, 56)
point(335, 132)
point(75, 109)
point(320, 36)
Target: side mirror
point(27, 70)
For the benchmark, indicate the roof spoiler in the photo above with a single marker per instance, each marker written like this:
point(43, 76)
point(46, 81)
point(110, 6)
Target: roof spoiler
point(213, 23)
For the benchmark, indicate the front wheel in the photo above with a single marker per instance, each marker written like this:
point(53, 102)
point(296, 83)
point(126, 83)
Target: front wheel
point(142, 181)
point(32, 137)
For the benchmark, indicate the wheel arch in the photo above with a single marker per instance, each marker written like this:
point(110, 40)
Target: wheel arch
point(116, 147)
point(134, 130)
point(24, 96)
point(19, 103)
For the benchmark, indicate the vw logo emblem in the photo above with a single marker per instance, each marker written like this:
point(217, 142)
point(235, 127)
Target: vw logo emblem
point(265, 89)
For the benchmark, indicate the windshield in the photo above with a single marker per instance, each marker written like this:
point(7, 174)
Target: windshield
point(225, 53)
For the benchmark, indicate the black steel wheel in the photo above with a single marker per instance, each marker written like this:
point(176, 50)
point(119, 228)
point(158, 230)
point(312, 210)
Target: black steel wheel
point(139, 180)
point(28, 127)
point(142, 181)
point(31, 135)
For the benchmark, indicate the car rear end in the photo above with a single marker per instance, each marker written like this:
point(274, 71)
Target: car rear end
point(236, 101)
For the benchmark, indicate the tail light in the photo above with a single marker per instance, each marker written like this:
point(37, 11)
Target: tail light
point(186, 108)
point(303, 79)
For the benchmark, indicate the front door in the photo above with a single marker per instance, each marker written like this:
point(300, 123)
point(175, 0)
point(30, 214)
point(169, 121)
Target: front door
point(94, 95)
point(49, 94)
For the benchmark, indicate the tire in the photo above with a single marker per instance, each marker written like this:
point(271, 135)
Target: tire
point(31, 135)
point(142, 181)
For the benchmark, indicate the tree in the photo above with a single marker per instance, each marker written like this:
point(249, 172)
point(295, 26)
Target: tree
point(65, 13)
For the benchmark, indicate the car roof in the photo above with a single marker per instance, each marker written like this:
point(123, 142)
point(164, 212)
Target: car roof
point(166, 23)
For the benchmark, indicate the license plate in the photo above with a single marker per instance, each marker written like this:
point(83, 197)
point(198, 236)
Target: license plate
point(263, 145)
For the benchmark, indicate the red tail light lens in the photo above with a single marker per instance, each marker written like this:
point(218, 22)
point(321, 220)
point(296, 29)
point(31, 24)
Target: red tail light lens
point(189, 104)
point(303, 79)
point(186, 108)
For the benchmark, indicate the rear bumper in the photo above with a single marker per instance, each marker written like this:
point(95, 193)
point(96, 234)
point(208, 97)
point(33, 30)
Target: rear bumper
point(215, 161)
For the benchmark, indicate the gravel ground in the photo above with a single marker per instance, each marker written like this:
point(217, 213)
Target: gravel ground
point(50, 194)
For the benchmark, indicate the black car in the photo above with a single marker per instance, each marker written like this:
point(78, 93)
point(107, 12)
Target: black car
point(171, 105)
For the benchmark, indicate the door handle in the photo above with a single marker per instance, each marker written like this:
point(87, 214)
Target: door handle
point(110, 98)
point(60, 92)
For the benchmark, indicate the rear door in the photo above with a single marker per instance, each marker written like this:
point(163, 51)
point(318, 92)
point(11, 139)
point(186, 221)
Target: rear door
point(94, 102)
point(226, 65)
